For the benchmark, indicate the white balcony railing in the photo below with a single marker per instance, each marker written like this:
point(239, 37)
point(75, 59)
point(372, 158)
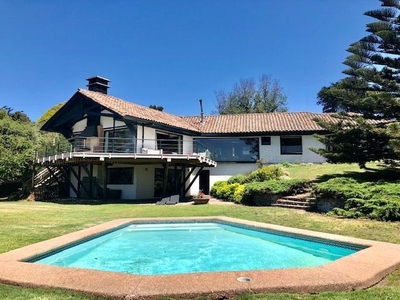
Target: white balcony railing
point(123, 145)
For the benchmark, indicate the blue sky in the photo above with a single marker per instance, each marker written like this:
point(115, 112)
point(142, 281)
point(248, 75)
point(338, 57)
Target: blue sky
point(173, 53)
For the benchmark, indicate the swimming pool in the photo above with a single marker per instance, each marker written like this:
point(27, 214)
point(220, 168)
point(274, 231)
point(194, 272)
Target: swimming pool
point(359, 270)
point(191, 247)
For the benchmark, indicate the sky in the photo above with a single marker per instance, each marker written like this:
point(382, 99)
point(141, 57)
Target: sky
point(172, 53)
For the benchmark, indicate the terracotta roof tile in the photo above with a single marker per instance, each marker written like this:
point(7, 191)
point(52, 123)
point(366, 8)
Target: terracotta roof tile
point(125, 108)
point(259, 122)
point(216, 124)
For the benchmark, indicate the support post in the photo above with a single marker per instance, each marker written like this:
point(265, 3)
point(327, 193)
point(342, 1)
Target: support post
point(194, 179)
point(104, 183)
point(165, 181)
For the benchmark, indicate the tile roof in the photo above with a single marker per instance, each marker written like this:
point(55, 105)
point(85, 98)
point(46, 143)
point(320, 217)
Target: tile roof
point(125, 108)
point(259, 122)
point(215, 124)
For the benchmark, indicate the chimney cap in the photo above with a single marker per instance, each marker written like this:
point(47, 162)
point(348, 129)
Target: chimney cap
point(98, 84)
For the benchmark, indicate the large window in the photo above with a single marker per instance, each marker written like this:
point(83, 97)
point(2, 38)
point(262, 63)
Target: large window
point(291, 145)
point(120, 140)
point(120, 176)
point(169, 142)
point(229, 149)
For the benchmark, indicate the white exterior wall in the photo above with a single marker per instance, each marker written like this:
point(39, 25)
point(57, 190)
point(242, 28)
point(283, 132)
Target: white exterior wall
point(74, 180)
point(79, 126)
point(223, 171)
point(271, 154)
point(144, 181)
point(187, 144)
point(149, 138)
point(107, 122)
point(128, 191)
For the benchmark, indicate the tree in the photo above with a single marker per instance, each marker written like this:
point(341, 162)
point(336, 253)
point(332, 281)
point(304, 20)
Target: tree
point(156, 107)
point(367, 100)
point(48, 114)
point(50, 143)
point(16, 116)
point(18, 139)
point(247, 97)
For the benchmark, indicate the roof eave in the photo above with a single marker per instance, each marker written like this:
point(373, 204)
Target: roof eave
point(159, 125)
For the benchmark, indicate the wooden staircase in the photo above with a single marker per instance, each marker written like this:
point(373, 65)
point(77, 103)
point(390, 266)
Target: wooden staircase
point(300, 201)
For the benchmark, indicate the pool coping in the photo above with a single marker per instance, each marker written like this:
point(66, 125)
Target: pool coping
point(356, 271)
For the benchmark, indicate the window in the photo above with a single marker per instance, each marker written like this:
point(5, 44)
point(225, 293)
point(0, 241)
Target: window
point(169, 142)
point(229, 149)
point(120, 176)
point(291, 145)
point(265, 140)
point(124, 141)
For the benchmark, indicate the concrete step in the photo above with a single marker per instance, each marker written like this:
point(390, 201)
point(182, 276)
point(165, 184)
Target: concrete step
point(306, 202)
point(293, 198)
point(292, 202)
point(290, 206)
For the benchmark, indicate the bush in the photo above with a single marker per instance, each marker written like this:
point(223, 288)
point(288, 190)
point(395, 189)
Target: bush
point(229, 192)
point(238, 195)
point(380, 209)
point(338, 188)
point(215, 188)
point(277, 187)
point(265, 173)
point(375, 200)
point(262, 174)
point(239, 178)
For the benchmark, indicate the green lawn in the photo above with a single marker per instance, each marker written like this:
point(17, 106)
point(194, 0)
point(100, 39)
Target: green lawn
point(319, 171)
point(23, 223)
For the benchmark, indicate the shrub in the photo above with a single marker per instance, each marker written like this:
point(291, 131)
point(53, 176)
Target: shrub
point(375, 200)
point(261, 174)
point(380, 209)
point(276, 187)
point(238, 195)
point(265, 173)
point(338, 188)
point(224, 190)
point(239, 178)
point(215, 188)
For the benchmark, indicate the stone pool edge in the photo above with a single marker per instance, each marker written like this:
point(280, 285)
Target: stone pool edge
point(359, 270)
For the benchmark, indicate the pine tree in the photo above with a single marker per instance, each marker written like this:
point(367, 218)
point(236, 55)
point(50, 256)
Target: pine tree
point(367, 100)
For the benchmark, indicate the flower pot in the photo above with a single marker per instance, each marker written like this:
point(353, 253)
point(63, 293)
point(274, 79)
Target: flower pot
point(200, 200)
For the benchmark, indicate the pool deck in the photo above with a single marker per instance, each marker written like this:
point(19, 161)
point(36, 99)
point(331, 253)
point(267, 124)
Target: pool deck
point(357, 271)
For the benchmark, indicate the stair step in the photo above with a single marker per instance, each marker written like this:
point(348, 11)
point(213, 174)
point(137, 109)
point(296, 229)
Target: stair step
point(292, 198)
point(290, 206)
point(291, 202)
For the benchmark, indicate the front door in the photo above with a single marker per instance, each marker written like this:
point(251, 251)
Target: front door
point(204, 181)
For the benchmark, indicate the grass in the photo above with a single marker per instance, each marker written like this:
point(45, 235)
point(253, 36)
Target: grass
point(317, 172)
point(23, 223)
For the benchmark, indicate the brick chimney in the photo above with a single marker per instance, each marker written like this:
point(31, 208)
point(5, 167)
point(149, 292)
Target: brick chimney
point(98, 84)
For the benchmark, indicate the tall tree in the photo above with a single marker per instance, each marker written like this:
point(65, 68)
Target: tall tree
point(247, 96)
point(18, 139)
point(48, 114)
point(367, 100)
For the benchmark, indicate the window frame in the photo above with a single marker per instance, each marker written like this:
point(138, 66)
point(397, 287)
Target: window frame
point(283, 138)
point(229, 149)
point(119, 171)
point(266, 142)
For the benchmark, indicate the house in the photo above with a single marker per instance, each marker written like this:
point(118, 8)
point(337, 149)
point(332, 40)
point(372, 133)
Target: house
point(121, 150)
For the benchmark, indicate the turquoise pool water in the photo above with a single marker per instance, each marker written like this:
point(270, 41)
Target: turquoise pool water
point(174, 248)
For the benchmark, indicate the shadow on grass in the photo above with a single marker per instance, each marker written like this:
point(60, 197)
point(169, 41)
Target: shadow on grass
point(370, 175)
